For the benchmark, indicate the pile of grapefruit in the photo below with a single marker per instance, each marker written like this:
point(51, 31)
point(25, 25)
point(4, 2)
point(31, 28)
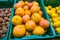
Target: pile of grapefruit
point(28, 19)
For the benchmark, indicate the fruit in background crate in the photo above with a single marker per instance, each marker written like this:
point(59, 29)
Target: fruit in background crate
point(58, 11)
point(49, 7)
point(36, 17)
point(53, 10)
point(19, 30)
point(19, 11)
point(25, 7)
point(35, 3)
point(25, 18)
point(16, 20)
point(56, 24)
point(57, 30)
point(27, 12)
point(44, 24)
point(54, 15)
point(30, 25)
point(57, 8)
point(34, 9)
point(38, 30)
point(55, 18)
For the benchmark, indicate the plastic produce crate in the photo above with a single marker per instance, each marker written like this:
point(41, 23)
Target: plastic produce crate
point(5, 5)
point(53, 4)
point(49, 34)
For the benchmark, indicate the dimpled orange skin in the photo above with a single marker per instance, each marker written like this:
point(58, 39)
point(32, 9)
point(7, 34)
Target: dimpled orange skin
point(27, 12)
point(19, 30)
point(19, 11)
point(25, 7)
point(44, 23)
point(25, 18)
point(35, 9)
point(16, 20)
point(36, 17)
point(38, 31)
point(30, 25)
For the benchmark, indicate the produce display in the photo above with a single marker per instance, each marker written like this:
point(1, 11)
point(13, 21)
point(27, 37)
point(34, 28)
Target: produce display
point(54, 14)
point(28, 19)
point(4, 20)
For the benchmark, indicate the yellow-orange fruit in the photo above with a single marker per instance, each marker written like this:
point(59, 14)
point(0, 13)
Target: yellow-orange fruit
point(35, 9)
point(16, 20)
point(27, 12)
point(19, 30)
point(38, 31)
point(30, 25)
point(36, 17)
point(19, 11)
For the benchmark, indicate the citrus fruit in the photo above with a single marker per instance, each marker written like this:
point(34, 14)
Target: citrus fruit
point(25, 18)
point(36, 17)
point(35, 9)
point(27, 12)
point(30, 25)
point(44, 23)
point(35, 3)
point(19, 11)
point(16, 20)
point(57, 30)
point(19, 30)
point(38, 31)
point(25, 7)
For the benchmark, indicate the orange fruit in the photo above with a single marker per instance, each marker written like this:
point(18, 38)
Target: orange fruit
point(30, 25)
point(44, 23)
point(26, 2)
point(35, 9)
point(40, 12)
point(30, 4)
point(36, 17)
point(25, 18)
point(17, 5)
point(16, 20)
point(22, 2)
point(35, 3)
point(19, 30)
point(25, 7)
point(38, 31)
point(19, 11)
point(27, 12)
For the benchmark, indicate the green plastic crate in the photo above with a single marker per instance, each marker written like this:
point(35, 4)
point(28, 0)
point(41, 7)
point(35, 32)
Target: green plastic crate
point(50, 33)
point(56, 3)
point(5, 5)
